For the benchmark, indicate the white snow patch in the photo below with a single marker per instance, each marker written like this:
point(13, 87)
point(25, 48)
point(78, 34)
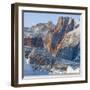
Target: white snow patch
point(53, 71)
point(71, 70)
point(27, 60)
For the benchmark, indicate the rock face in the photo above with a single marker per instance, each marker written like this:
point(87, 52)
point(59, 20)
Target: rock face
point(39, 29)
point(72, 38)
point(36, 35)
point(65, 35)
point(54, 44)
point(70, 53)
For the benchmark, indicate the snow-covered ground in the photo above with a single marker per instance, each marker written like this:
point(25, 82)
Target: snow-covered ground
point(48, 67)
point(69, 70)
point(28, 70)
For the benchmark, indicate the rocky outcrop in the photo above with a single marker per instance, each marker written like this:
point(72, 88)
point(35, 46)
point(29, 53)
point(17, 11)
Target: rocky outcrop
point(64, 34)
point(70, 53)
point(72, 38)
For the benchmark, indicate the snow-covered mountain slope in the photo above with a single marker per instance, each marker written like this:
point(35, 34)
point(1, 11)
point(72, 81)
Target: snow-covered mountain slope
point(40, 29)
point(72, 38)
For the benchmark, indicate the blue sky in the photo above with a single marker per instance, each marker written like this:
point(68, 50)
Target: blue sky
point(32, 18)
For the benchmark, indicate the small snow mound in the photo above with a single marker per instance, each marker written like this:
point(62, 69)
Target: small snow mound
point(71, 70)
point(27, 61)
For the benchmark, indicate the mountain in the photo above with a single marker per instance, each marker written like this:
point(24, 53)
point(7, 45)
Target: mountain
point(39, 29)
point(65, 34)
point(72, 38)
point(53, 45)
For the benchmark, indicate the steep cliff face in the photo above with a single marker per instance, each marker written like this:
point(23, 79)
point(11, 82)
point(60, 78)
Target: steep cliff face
point(66, 34)
point(72, 38)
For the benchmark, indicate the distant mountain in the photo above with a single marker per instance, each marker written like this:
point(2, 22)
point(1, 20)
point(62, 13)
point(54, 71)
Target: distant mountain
point(34, 35)
point(39, 29)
